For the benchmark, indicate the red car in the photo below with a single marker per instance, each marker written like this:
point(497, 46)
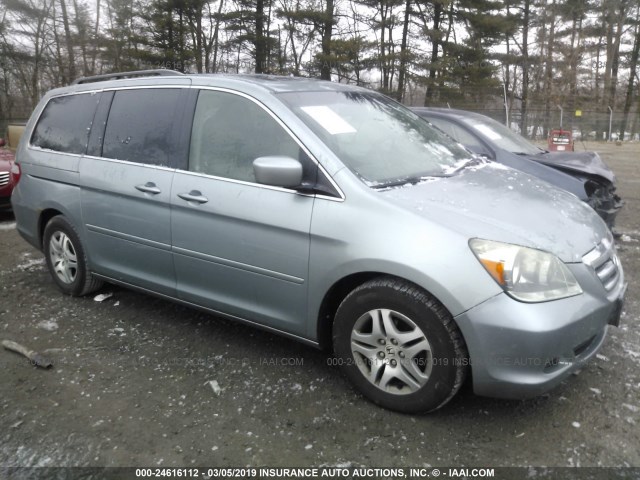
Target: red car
point(7, 180)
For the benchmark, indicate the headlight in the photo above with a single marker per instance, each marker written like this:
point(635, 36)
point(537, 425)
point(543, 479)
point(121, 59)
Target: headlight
point(524, 273)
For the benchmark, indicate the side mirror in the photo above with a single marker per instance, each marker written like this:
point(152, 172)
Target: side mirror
point(278, 171)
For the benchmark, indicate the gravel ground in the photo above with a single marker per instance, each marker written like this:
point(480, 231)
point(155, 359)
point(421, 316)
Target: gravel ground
point(131, 386)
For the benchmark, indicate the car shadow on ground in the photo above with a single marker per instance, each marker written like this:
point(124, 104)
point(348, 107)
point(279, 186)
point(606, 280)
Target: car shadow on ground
point(6, 216)
point(205, 335)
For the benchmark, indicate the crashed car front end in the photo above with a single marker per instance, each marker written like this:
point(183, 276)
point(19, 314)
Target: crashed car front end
point(599, 180)
point(604, 200)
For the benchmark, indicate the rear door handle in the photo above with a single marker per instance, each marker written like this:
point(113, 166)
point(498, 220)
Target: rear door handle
point(148, 187)
point(193, 196)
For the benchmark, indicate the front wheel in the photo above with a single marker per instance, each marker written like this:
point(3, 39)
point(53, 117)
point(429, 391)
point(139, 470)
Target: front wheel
point(66, 258)
point(399, 346)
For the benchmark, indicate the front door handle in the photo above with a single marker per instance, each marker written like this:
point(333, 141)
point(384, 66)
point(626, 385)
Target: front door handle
point(193, 196)
point(148, 187)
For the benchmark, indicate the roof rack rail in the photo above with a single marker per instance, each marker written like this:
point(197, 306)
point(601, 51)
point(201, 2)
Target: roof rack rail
point(119, 75)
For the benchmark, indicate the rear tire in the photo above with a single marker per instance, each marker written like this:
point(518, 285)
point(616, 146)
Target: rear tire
point(66, 258)
point(399, 346)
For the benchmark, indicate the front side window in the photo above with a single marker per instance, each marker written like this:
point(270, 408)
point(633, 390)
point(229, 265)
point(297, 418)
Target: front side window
point(65, 123)
point(381, 141)
point(498, 134)
point(231, 131)
point(458, 134)
point(141, 126)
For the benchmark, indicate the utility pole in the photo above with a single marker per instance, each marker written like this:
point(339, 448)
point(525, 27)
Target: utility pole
point(561, 113)
point(506, 106)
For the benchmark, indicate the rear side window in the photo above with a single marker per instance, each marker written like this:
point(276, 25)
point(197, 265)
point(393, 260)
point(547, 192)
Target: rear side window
point(141, 126)
point(65, 123)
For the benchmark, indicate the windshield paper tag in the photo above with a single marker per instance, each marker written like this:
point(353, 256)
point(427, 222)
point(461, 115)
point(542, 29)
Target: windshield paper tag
point(329, 120)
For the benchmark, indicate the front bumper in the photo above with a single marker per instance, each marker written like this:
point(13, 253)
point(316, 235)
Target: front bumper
point(520, 350)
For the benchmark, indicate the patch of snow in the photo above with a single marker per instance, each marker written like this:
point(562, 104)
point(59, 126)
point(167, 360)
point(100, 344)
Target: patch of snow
point(632, 353)
point(102, 297)
point(497, 166)
point(31, 263)
point(49, 325)
point(7, 226)
point(214, 386)
point(575, 424)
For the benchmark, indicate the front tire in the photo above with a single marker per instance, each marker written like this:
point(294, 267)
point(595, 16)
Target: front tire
point(399, 346)
point(66, 258)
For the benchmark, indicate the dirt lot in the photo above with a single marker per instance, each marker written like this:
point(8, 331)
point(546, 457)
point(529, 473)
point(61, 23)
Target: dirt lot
point(130, 386)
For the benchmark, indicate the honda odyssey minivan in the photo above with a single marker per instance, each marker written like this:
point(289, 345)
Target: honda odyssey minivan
point(324, 212)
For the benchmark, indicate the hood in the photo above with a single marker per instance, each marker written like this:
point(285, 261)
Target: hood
point(494, 202)
point(553, 175)
point(588, 163)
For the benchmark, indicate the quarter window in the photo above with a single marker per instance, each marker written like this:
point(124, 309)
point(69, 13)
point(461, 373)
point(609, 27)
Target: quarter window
point(65, 123)
point(141, 126)
point(230, 132)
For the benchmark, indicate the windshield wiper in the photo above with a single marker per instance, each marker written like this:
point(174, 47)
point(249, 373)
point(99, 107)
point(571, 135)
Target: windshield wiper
point(475, 160)
point(401, 181)
point(417, 179)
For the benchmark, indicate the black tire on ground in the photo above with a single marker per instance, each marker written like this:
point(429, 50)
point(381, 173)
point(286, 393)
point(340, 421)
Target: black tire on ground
point(66, 258)
point(390, 364)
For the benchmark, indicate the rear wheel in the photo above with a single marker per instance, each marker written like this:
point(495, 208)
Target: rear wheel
point(66, 258)
point(399, 346)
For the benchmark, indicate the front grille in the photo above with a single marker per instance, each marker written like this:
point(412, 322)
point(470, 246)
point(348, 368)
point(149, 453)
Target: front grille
point(604, 261)
point(4, 178)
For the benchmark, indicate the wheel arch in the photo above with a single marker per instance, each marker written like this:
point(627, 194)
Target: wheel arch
point(337, 293)
point(45, 216)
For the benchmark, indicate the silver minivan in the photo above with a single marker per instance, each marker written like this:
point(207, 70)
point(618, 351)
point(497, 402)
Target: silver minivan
point(324, 212)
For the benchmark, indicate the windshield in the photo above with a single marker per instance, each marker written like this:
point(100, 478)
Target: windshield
point(380, 140)
point(499, 135)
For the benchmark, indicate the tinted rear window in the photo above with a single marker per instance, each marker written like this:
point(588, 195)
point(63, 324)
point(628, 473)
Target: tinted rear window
point(141, 124)
point(65, 123)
